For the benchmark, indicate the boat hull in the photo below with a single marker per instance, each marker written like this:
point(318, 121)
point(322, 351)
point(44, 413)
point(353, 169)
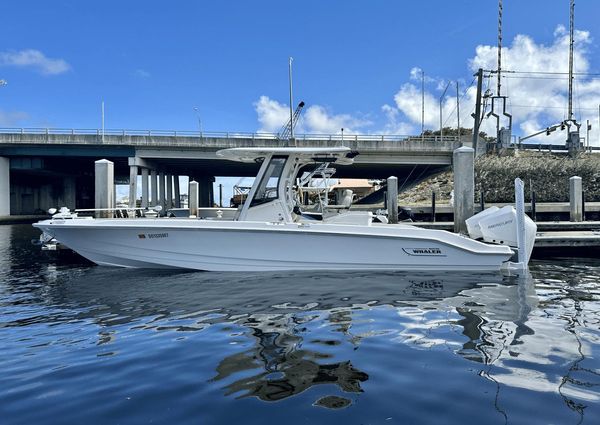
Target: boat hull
point(257, 246)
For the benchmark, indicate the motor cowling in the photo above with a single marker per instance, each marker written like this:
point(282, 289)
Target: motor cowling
point(499, 225)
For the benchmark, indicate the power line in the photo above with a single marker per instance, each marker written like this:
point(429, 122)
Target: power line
point(548, 107)
point(461, 98)
point(543, 72)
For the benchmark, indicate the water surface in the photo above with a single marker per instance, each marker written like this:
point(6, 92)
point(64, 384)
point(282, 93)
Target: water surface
point(86, 344)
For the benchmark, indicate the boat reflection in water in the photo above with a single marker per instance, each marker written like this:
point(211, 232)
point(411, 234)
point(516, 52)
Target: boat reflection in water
point(303, 327)
point(226, 346)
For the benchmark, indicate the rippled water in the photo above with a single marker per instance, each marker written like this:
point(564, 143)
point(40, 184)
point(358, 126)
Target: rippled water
point(85, 344)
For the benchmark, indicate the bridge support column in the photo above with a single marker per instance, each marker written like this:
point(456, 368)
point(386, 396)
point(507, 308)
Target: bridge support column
point(154, 184)
point(69, 192)
point(575, 198)
point(463, 164)
point(206, 191)
point(104, 187)
point(133, 172)
point(4, 186)
point(177, 192)
point(193, 198)
point(169, 191)
point(161, 191)
point(145, 191)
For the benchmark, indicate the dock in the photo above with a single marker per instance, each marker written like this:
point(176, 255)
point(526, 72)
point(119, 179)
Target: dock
point(555, 235)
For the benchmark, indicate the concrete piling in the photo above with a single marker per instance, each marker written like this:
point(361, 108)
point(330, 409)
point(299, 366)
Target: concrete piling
point(161, 191)
point(4, 186)
point(69, 195)
point(392, 199)
point(169, 203)
point(193, 198)
point(575, 198)
point(463, 164)
point(145, 191)
point(154, 184)
point(205, 185)
point(133, 172)
point(176, 191)
point(104, 187)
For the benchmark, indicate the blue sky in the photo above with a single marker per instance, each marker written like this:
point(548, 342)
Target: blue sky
point(152, 62)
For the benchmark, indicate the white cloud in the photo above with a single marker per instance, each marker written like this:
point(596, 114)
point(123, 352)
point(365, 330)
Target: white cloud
point(141, 73)
point(273, 115)
point(534, 103)
point(34, 59)
point(318, 119)
point(393, 125)
point(417, 74)
point(12, 118)
point(540, 102)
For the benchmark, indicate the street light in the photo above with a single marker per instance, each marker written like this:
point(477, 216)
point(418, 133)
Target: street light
point(3, 83)
point(441, 100)
point(199, 120)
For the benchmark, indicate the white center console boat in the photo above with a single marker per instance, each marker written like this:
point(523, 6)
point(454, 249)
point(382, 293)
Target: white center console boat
point(270, 232)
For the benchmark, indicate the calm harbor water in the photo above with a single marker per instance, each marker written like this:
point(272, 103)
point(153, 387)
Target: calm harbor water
point(85, 344)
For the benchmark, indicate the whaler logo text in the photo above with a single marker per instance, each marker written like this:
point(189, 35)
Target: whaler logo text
point(423, 251)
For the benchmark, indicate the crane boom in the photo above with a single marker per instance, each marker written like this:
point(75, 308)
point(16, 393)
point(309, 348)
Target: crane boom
point(286, 130)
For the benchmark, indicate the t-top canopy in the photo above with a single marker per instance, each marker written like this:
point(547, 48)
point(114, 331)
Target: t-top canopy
point(339, 155)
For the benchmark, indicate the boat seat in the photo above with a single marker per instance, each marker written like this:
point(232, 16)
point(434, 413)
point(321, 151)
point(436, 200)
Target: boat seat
point(345, 202)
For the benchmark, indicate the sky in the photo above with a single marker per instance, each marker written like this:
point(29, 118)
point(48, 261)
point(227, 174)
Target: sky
point(357, 64)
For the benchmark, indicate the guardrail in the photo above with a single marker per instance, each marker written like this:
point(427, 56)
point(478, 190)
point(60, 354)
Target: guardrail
point(100, 134)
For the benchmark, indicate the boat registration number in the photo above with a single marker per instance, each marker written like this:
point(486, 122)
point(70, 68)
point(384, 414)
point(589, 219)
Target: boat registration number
point(153, 235)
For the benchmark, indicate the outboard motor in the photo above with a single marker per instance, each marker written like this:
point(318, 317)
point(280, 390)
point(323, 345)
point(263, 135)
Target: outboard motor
point(501, 226)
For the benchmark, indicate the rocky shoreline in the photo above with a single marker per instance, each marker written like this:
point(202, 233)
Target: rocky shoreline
point(544, 173)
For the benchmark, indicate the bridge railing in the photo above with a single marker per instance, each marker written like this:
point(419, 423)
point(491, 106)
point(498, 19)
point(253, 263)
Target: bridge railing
point(220, 134)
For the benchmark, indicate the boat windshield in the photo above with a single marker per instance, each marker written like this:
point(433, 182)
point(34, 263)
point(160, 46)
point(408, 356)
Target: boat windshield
point(267, 189)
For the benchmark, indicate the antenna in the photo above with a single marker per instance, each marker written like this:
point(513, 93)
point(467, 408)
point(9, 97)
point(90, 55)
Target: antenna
point(499, 46)
point(457, 111)
point(571, 43)
point(291, 100)
point(503, 135)
point(422, 105)
point(102, 121)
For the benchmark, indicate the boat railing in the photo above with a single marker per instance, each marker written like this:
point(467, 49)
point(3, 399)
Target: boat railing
point(119, 212)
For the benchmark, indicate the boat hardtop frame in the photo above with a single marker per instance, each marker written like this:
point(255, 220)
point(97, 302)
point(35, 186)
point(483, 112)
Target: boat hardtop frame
point(272, 197)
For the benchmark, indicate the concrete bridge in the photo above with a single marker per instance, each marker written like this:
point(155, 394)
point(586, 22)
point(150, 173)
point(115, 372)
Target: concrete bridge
point(44, 168)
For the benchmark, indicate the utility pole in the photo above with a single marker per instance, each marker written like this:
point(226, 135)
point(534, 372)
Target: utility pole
point(457, 111)
point(573, 142)
point(199, 120)
point(571, 43)
point(499, 69)
point(102, 121)
point(499, 46)
point(291, 99)
point(422, 105)
point(587, 134)
point(477, 118)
